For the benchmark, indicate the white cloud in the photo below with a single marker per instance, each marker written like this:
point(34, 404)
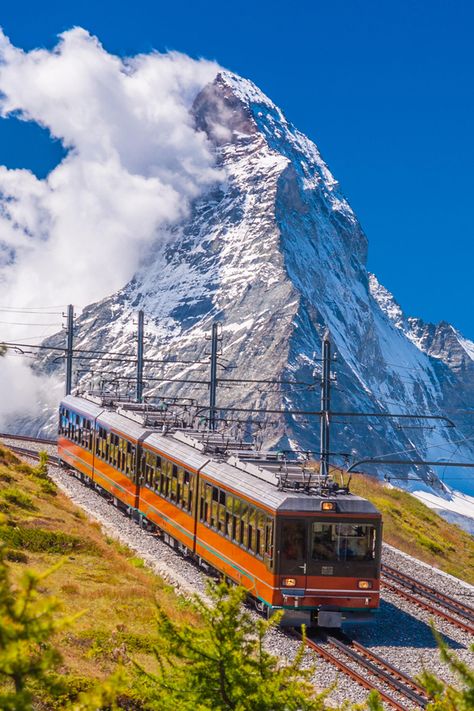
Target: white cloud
point(134, 163)
point(25, 395)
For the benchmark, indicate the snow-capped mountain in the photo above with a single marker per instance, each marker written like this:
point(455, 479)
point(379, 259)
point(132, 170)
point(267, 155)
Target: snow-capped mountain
point(276, 255)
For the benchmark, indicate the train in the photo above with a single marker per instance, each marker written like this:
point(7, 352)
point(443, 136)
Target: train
point(296, 541)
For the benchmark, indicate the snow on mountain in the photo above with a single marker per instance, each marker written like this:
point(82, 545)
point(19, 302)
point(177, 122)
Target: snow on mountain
point(275, 253)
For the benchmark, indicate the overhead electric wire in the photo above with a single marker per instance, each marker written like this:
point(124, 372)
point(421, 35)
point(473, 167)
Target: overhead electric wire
point(34, 313)
point(20, 323)
point(438, 445)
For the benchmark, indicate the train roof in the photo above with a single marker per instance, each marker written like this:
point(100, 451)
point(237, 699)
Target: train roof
point(262, 477)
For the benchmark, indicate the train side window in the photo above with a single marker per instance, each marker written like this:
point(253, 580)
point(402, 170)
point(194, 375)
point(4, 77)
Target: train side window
point(72, 427)
point(124, 451)
point(159, 478)
point(184, 489)
point(207, 501)
point(179, 490)
point(221, 514)
point(118, 452)
point(260, 531)
point(244, 524)
point(130, 456)
point(229, 518)
point(158, 473)
point(192, 485)
point(98, 442)
point(214, 506)
point(149, 468)
point(202, 501)
point(125, 457)
point(104, 445)
point(88, 437)
point(107, 447)
point(111, 448)
point(269, 537)
point(252, 529)
point(236, 521)
point(174, 483)
point(115, 451)
point(166, 473)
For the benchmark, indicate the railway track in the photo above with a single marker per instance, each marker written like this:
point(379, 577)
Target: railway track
point(428, 598)
point(27, 438)
point(33, 454)
point(371, 672)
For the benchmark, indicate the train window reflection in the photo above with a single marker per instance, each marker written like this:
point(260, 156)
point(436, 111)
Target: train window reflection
point(343, 541)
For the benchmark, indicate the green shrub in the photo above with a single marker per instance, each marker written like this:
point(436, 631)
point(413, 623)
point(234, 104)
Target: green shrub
point(15, 496)
point(48, 487)
point(16, 556)
point(41, 470)
point(38, 540)
point(430, 544)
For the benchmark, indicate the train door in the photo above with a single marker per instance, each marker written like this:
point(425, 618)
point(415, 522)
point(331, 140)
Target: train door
point(293, 551)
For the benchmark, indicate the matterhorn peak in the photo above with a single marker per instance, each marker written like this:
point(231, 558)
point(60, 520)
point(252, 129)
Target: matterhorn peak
point(275, 253)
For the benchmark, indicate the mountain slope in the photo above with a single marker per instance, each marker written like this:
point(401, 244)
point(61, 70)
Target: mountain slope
point(275, 253)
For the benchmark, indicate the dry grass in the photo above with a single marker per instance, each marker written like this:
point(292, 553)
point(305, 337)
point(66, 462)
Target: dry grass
point(117, 595)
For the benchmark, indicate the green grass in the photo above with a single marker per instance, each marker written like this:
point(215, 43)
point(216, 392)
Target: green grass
point(39, 540)
point(15, 496)
point(99, 577)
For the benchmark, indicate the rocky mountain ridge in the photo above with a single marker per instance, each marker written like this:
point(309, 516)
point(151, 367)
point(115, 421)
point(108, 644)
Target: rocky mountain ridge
point(276, 255)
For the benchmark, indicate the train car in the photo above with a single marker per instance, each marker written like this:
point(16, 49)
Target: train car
point(295, 542)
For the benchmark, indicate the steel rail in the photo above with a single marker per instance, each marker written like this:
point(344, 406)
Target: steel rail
point(428, 606)
point(27, 438)
point(33, 454)
point(401, 676)
point(382, 670)
point(352, 673)
point(456, 606)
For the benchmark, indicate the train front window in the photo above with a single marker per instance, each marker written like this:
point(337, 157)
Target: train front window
point(293, 544)
point(342, 541)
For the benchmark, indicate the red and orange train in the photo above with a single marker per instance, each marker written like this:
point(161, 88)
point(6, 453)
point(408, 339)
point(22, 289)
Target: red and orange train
point(294, 542)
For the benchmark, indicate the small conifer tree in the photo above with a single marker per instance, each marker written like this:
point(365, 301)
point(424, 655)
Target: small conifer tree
point(223, 664)
point(446, 697)
point(41, 470)
point(28, 656)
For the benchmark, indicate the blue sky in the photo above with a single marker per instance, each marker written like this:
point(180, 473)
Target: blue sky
point(384, 88)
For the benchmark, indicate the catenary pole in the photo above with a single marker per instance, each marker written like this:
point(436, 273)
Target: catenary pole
point(325, 405)
point(69, 347)
point(141, 322)
point(213, 377)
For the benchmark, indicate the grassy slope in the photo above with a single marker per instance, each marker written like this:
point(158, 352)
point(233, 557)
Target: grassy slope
point(418, 530)
point(41, 527)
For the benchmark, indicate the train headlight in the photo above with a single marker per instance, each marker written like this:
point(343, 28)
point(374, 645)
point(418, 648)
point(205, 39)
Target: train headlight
point(289, 582)
point(364, 584)
point(328, 506)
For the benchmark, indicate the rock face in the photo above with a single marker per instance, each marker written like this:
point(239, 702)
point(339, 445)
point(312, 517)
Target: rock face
point(276, 255)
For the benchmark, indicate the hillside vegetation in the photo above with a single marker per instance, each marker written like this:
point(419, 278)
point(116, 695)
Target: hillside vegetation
point(184, 649)
point(41, 527)
point(416, 529)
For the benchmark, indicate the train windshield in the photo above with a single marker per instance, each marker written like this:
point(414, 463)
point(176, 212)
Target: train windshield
point(293, 546)
point(342, 541)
